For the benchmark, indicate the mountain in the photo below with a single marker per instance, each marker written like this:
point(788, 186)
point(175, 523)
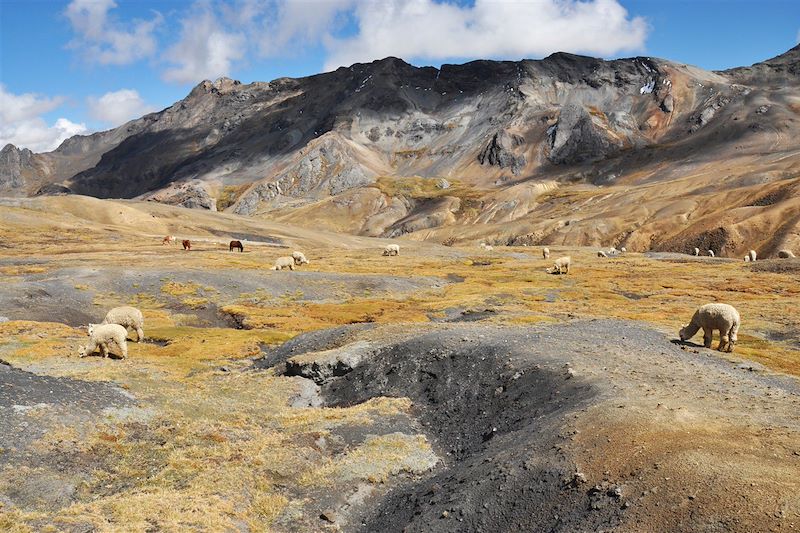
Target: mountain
point(641, 152)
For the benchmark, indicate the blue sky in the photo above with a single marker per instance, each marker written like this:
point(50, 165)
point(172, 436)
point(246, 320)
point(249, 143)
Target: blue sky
point(77, 66)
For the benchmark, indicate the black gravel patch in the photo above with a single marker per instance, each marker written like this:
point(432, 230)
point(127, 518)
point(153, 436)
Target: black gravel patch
point(496, 423)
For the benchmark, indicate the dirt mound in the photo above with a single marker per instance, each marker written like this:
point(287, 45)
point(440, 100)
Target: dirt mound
point(496, 423)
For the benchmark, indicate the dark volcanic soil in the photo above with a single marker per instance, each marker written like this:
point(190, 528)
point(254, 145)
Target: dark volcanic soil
point(503, 407)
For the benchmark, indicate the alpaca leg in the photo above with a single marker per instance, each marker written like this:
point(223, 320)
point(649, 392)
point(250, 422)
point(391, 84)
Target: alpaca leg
point(139, 334)
point(104, 348)
point(707, 334)
point(732, 337)
point(723, 341)
point(291, 267)
point(124, 349)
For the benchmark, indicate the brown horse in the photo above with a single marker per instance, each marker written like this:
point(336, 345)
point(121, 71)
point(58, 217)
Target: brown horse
point(235, 244)
point(187, 245)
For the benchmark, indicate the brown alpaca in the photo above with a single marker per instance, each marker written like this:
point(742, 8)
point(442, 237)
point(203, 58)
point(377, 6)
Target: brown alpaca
point(169, 239)
point(235, 244)
point(187, 245)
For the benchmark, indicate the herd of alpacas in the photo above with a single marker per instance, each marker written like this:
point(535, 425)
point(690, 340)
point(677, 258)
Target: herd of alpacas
point(721, 317)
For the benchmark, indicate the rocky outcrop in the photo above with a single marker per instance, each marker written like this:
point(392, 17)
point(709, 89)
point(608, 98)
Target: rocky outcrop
point(499, 152)
point(327, 168)
point(192, 195)
point(13, 163)
point(580, 136)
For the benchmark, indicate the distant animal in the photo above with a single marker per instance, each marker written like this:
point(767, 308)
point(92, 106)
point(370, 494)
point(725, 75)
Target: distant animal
point(284, 262)
point(722, 317)
point(785, 254)
point(546, 253)
point(235, 244)
point(392, 249)
point(488, 247)
point(623, 250)
point(299, 258)
point(601, 253)
point(101, 336)
point(697, 251)
point(613, 251)
point(752, 255)
point(127, 317)
point(169, 239)
point(561, 265)
point(187, 245)
point(711, 253)
point(747, 259)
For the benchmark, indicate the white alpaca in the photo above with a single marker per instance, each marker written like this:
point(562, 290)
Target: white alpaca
point(392, 249)
point(711, 253)
point(697, 251)
point(722, 317)
point(785, 254)
point(562, 264)
point(546, 253)
point(299, 258)
point(601, 253)
point(127, 317)
point(101, 336)
point(747, 259)
point(284, 262)
point(623, 250)
point(752, 255)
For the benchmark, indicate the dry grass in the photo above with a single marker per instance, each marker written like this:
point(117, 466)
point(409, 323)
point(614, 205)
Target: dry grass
point(222, 449)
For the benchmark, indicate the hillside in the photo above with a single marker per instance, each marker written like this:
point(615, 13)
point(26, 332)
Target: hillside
point(641, 152)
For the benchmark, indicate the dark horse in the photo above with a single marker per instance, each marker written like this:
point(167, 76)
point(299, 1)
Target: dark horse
point(187, 245)
point(236, 244)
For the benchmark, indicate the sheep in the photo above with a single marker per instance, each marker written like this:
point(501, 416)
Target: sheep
point(284, 262)
point(601, 253)
point(785, 254)
point(697, 251)
point(101, 335)
point(127, 317)
point(711, 253)
point(233, 245)
point(722, 317)
point(546, 253)
point(752, 255)
point(392, 249)
point(561, 265)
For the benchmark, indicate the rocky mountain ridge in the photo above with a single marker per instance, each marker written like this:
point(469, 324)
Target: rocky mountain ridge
point(362, 149)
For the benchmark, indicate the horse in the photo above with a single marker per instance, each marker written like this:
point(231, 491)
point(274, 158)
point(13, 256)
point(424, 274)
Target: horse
point(169, 239)
point(235, 244)
point(187, 245)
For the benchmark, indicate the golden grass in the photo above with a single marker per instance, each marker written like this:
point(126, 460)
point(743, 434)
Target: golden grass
point(234, 454)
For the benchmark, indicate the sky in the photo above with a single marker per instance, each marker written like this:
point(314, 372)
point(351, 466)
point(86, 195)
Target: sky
point(77, 66)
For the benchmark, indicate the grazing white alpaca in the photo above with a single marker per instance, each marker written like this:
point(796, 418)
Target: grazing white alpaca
point(722, 317)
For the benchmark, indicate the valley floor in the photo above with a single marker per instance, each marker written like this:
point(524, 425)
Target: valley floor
point(446, 389)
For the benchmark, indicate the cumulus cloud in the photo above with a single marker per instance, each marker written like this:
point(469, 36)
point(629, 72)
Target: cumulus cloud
point(22, 125)
point(205, 48)
point(105, 40)
point(425, 29)
point(117, 107)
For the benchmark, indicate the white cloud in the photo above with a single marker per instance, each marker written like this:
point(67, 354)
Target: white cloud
point(117, 107)
point(205, 49)
point(428, 30)
point(22, 125)
point(105, 40)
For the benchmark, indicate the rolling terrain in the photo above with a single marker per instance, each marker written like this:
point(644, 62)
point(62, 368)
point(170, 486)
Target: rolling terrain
point(450, 388)
point(569, 150)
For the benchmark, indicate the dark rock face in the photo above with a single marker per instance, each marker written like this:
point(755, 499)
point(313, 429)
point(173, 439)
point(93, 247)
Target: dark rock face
point(499, 152)
point(578, 137)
